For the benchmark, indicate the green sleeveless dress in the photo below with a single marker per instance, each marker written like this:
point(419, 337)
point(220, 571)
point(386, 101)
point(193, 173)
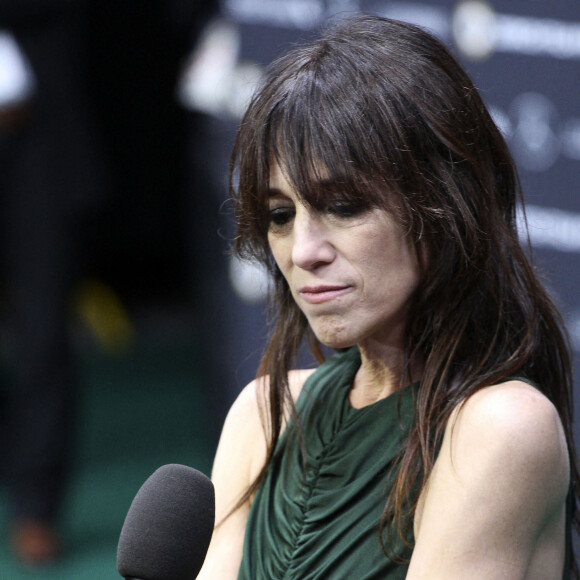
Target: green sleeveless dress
point(322, 523)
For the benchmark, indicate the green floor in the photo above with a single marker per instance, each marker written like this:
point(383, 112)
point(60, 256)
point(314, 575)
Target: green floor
point(137, 412)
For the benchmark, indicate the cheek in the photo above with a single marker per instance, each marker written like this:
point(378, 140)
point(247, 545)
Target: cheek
point(409, 265)
point(274, 244)
point(279, 251)
point(408, 278)
point(397, 273)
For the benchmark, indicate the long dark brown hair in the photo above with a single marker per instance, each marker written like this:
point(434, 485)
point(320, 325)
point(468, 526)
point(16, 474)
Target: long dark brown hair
point(385, 110)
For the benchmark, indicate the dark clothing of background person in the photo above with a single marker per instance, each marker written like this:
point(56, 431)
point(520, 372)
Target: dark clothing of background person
point(169, 181)
point(49, 180)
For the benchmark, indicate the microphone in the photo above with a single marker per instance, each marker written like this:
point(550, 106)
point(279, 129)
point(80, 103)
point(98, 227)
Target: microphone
point(168, 527)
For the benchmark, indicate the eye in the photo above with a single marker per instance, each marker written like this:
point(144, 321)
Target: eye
point(281, 215)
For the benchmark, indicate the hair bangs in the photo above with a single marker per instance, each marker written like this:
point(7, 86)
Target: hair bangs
point(314, 135)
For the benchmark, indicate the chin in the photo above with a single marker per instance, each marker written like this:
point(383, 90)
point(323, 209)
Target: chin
point(333, 335)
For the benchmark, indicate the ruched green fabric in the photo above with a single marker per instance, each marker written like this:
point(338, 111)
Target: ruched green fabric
point(322, 522)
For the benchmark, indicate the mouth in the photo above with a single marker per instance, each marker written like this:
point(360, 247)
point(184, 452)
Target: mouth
point(324, 293)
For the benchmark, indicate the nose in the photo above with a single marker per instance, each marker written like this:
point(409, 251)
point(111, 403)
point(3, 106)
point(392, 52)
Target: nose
point(311, 244)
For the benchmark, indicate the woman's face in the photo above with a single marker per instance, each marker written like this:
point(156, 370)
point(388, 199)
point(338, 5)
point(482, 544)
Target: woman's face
point(350, 271)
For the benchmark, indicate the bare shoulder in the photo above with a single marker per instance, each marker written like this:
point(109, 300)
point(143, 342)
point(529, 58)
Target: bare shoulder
point(510, 432)
point(244, 435)
point(243, 438)
point(495, 500)
point(296, 380)
point(518, 424)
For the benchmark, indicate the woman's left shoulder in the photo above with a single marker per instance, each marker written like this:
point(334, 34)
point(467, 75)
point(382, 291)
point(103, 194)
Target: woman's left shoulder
point(510, 409)
point(495, 499)
point(515, 425)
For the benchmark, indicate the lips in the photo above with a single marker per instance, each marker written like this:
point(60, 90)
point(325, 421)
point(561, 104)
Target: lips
point(322, 293)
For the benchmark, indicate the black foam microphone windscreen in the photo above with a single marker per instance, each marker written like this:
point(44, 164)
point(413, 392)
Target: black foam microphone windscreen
point(169, 525)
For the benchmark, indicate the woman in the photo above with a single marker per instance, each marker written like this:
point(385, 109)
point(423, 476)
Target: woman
point(371, 181)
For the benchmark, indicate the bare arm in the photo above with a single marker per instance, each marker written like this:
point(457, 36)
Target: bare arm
point(240, 456)
point(495, 504)
point(241, 449)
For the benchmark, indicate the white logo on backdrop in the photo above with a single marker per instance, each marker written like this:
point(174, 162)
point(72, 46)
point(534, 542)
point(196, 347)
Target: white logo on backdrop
point(478, 31)
point(571, 138)
point(474, 29)
point(213, 79)
point(302, 14)
point(535, 133)
point(534, 139)
point(434, 18)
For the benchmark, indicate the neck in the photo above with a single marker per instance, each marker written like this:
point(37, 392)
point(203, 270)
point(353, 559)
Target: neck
point(379, 375)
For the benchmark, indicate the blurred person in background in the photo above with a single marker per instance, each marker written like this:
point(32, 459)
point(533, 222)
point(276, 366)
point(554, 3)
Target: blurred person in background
point(169, 171)
point(51, 179)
